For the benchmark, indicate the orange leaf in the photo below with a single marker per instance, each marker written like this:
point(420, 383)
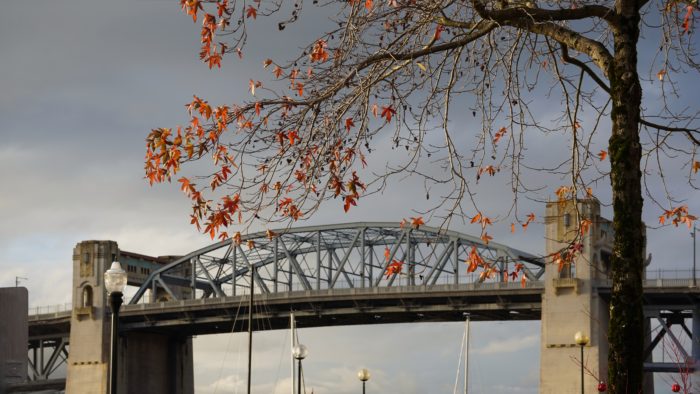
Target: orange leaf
point(292, 136)
point(661, 74)
point(251, 84)
point(530, 217)
point(349, 201)
point(388, 112)
point(522, 282)
point(318, 53)
point(368, 4)
point(387, 253)
point(486, 238)
point(375, 108)
point(214, 60)
point(417, 221)
point(696, 166)
point(476, 218)
point(512, 227)
point(438, 32)
point(349, 124)
point(223, 236)
point(585, 225)
point(394, 268)
point(687, 19)
point(270, 234)
point(491, 170)
point(250, 244)
point(499, 134)
point(475, 260)
point(185, 187)
point(562, 192)
point(251, 12)
point(602, 155)
point(237, 238)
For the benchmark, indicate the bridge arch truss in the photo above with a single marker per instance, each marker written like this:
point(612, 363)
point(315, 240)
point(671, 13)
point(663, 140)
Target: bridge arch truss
point(329, 257)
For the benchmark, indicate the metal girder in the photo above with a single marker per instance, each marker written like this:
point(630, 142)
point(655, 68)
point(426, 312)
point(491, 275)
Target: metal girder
point(335, 256)
point(40, 366)
point(681, 360)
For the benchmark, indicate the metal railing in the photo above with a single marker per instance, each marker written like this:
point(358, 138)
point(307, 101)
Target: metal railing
point(653, 278)
point(56, 309)
point(670, 274)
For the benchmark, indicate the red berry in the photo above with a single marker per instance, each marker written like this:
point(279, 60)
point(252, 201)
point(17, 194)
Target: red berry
point(602, 387)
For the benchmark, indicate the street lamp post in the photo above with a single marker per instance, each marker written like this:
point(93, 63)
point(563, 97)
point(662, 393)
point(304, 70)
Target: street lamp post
point(300, 353)
point(115, 282)
point(363, 375)
point(582, 340)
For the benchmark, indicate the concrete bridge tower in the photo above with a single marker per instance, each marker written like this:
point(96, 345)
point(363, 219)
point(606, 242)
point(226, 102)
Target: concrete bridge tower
point(570, 302)
point(88, 361)
point(151, 363)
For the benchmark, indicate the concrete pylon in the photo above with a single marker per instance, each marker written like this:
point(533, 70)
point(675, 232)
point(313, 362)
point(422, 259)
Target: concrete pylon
point(570, 302)
point(88, 359)
point(154, 363)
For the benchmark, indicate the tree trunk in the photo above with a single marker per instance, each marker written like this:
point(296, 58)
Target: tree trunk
point(626, 329)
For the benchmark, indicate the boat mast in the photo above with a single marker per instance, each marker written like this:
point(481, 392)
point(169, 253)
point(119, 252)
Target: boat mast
point(250, 326)
point(466, 358)
point(292, 327)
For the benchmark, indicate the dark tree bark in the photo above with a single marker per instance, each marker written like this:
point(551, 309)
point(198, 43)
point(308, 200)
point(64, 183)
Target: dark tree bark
point(626, 327)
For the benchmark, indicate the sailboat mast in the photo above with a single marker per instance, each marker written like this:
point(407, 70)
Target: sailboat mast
point(466, 358)
point(250, 326)
point(292, 327)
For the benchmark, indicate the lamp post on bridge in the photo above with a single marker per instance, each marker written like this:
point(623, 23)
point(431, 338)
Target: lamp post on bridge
point(582, 340)
point(300, 353)
point(115, 282)
point(363, 375)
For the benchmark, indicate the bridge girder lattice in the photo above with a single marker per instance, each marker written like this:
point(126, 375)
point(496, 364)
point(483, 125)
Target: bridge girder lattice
point(329, 257)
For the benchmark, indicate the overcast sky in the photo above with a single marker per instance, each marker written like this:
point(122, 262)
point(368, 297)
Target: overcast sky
point(82, 83)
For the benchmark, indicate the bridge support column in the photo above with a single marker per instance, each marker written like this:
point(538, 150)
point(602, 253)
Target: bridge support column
point(570, 302)
point(88, 359)
point(156, 364)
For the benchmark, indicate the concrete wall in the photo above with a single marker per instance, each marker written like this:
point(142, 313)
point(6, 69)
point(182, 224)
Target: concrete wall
point(14, 334)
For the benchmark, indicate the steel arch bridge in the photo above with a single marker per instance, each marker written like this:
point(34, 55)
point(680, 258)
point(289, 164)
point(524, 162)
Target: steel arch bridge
point(330, 257)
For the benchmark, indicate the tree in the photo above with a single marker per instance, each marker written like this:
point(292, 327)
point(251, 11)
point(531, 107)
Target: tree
point(403, 65)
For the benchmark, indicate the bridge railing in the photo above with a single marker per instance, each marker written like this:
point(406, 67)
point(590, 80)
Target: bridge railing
point(653, 278)
point(50, 309)
point(670, 274)
point(398, 287)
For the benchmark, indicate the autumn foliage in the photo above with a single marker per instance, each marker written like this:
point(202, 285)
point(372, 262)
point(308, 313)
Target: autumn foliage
point(454, 89)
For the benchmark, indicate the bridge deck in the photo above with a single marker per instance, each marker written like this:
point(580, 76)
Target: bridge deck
point(380, 305)
point(487, 301)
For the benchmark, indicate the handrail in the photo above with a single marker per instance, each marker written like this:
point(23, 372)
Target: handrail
point(653, 278)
